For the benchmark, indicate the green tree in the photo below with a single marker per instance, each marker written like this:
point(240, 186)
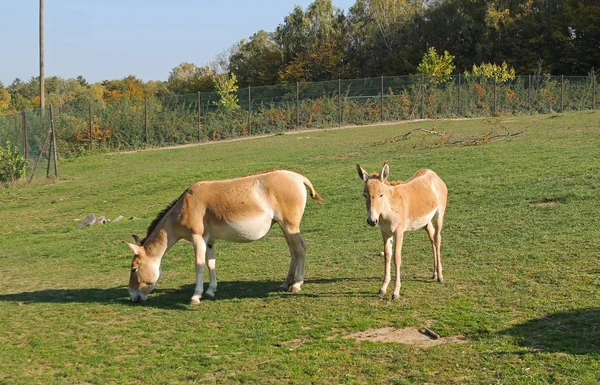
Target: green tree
point(256, 61)
point(188, 78)
point(436, 68)
point(226, 86)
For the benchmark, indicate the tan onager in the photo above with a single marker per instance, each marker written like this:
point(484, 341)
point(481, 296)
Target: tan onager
point(237, 210)
point(399, 206)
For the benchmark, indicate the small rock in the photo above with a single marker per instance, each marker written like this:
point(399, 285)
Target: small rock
point(132, 218)
point(101, 219)
point(119, 218)
point(89, 221)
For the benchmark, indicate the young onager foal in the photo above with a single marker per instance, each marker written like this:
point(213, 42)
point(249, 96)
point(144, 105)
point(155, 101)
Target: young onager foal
point(237, 210)
point(397, 207)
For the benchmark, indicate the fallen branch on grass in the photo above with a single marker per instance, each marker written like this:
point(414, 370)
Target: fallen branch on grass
point(444, 138)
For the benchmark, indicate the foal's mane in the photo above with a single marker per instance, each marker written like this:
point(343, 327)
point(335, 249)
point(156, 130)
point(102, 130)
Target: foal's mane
point(160, 216)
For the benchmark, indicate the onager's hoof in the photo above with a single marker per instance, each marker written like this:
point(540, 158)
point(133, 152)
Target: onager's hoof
point(381, 293)
point(208, 295)
point(195, 301)
point(395, 297)
point(295, 289)
point(440, 279)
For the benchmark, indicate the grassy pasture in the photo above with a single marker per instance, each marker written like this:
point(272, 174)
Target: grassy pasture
point(520, 253)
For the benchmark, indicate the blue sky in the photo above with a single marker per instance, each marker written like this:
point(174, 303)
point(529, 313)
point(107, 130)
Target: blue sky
point(111, 39)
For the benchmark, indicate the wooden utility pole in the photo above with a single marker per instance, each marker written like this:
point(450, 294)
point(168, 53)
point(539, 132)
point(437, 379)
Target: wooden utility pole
point(42, 91)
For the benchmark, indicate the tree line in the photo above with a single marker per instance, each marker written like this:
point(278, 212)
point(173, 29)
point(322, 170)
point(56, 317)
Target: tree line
point(372, 38)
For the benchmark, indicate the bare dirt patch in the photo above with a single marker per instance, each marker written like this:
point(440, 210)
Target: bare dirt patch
point(545, 204)
point(409, 336)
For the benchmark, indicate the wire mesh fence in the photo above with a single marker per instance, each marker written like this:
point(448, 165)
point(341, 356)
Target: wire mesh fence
point(84, 125)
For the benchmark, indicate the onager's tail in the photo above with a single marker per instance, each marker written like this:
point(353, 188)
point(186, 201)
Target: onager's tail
point(313, 194)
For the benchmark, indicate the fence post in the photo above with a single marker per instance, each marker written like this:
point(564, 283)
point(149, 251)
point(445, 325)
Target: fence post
point(199, 115)
point(381, 101)
point(495, 98)
point(25, 143)
point(562, 86)
point(529, 94)
point(91, 126)
point(459, 80)
point(422, 96)
point(55, 152)
point(146, 120)
point(594, 91)
point(340, 101)
point(297, 105)
point(249, 112)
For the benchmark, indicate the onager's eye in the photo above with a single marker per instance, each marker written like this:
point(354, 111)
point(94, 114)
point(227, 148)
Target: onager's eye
point(134, 269)
point(381, 196)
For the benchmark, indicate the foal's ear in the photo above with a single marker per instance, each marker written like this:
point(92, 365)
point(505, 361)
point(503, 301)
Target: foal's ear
point(385, 172)
point(138, 241)
point(135, 248)
point(362, 174)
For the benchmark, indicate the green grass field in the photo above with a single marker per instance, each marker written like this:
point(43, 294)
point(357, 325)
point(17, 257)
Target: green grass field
point(520, 253)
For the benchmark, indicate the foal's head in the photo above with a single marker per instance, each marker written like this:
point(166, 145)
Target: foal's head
point(374, 192)
point(145, 272)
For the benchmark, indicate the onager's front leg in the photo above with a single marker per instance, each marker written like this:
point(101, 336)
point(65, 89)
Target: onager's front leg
point(387, 254)
point(399, 236)
point(200, 251)
point(211, 262)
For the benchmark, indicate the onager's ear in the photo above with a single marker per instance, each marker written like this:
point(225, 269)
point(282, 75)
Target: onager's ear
point(135, 248)
point(385, 172)
point(138, 241)
point(362, 174)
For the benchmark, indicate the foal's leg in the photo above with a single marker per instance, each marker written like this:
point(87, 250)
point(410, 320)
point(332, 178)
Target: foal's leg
point(399, 236)
point(298, 260)
point(200, 251)
point(210, 261)
point(438, 244)
point(431, 235)
point(387, 254)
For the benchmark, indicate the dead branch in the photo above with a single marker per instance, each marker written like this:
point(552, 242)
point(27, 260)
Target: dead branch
point(474, 141)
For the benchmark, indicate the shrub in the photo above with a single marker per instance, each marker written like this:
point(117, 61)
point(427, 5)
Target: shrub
point(12, 163)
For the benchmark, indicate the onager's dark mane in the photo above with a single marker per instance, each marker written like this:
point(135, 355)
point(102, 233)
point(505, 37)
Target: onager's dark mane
point(160, 216)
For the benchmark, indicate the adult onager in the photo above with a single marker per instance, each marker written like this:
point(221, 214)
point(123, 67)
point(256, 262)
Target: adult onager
point(237, 210)
point(399, 206)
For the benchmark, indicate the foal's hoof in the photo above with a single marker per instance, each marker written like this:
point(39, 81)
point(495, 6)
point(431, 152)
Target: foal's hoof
point(395, 297)
point(195, 301)
point(381, 293)
point(295, 289)
point(207, 295)
point(440, 279)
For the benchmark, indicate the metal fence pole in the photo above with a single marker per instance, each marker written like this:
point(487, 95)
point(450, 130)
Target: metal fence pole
point(562, 86)
point(422, 96)
point(594, 91)
point(55, 152)
point(459, 80)
point(91, 126)
point(249, 112)
point(529, 94)
point(381, 101)
point(146, 120)
point(340, 101)
point(495, 98)
point(25, 143)
point(199, 117)
point(297, 105)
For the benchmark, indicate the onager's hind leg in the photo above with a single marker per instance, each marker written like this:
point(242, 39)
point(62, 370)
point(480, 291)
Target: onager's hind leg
point(438, 244)
point(431, 235)
point(295, 277)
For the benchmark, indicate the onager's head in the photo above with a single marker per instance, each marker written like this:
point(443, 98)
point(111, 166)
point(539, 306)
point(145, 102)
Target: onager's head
point(374, 192)
point(145, 272)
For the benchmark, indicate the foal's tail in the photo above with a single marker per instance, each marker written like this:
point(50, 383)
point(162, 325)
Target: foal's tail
point(313, 194)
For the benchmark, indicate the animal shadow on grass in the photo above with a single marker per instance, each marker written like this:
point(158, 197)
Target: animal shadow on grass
point(167, 298)
point(574, 332)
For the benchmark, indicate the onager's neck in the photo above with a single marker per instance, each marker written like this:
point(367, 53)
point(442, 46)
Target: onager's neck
point(158, 243)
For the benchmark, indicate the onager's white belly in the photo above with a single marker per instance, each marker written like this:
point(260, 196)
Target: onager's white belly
point(419, 223)
point(244, 230)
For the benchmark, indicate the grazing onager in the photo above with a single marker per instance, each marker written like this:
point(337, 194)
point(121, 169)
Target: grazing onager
point(237, 210)
point(397, 207)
